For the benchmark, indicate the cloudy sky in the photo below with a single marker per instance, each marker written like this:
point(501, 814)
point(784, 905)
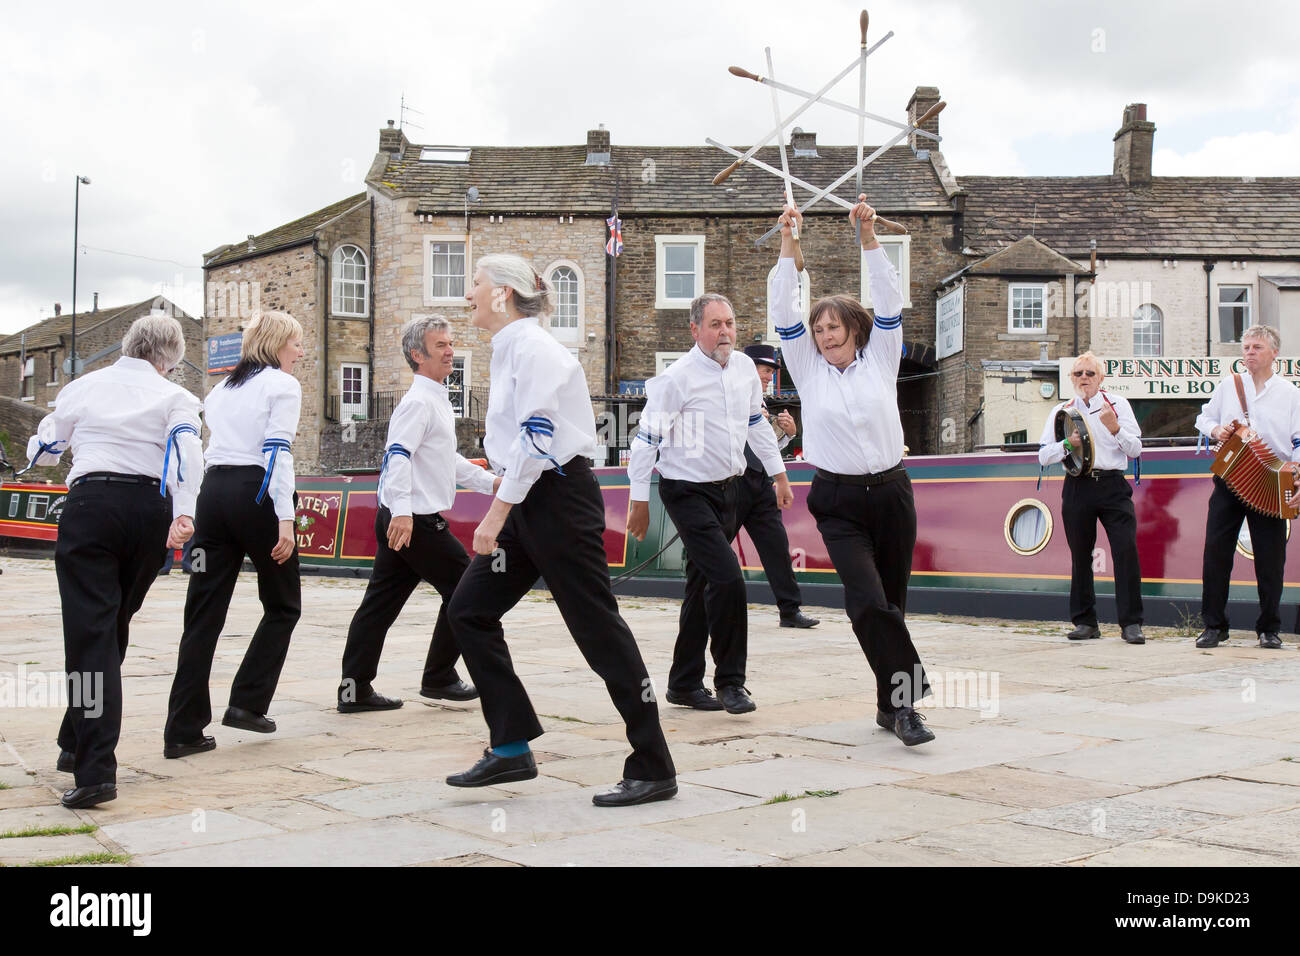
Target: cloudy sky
point(199, 124)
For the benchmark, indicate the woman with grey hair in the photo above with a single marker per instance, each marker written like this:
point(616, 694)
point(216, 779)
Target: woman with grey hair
point(136, 465)
point(548, 520)
point(420, 471)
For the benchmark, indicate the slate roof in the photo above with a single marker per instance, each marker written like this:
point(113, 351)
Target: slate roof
point(48, 332)
point(1173, 216)
point(1026, 256)
point(678, 180)
point(281, 237)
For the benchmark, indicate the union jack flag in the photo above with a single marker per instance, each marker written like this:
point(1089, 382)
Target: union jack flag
point(615, 245)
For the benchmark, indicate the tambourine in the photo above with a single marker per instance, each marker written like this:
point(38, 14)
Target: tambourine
point(1078, 461)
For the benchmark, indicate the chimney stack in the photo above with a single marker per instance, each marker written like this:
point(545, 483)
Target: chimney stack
point(597, 146)
point(803, 144)
point(250, 242)
point(1133, 145)
point(96, 308)
point(393, 140)
point(922, 99)
point(58, 310)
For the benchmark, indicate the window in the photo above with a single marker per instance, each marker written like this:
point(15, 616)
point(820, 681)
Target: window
point(1234, 312)
point(37, 507)
point(1148, 331)
point(29, 380)
point(13, 505)
point(805, 303)
point(566, 322)
point(457, 382)
point(444, 154)
point(899, 251)
point(1025, 308)
point(1015, 438)
point(665, 359)
point(1028, 527)
point(54, 369)
point(679, 270)
point(446, 259)
point(350, 282)
point(352, 392)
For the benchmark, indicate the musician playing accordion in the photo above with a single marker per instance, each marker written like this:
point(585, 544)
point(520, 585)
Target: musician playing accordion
point(1102, 425)
point(1270, 405)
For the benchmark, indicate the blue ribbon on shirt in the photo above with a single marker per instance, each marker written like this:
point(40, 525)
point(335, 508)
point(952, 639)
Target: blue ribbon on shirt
point(46, 449)
point(273, 445)
point(649, 437)
point(791, 332)
point(529, 430)
point(173, 439)
point(394, 449)
point(889, 322)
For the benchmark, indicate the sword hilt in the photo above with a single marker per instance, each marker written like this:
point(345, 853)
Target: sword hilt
point(744, 74)
point(862, 23)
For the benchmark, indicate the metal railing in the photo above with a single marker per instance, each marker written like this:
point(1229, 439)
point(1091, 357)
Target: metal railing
point(378, 406)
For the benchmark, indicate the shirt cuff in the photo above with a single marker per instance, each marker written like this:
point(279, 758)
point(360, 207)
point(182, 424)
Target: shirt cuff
point(183, 503)
point(513, 491)
point(640, 491)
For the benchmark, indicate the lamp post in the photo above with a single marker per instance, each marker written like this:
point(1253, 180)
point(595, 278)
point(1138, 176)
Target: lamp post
point(76, 216)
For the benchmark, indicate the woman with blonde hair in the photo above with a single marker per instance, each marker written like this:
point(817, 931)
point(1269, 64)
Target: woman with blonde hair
point(548, 520)
point(245, 508)
point(845, 365)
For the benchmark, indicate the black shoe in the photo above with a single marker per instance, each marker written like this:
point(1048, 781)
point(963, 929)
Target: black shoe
point(885, 720)
point(1085, 632)
point(699, 698)
point(799, 619)
point(202, 745)
point(1212, 637)
point(627, 793)
point(67, 762)
point(371, 701)
point(493, 769)
point(247, 720)
point(1271, 641)
point(1132, 634)
point(457, 691)
point(736, 700)
point(909, 729)
point(93, 795)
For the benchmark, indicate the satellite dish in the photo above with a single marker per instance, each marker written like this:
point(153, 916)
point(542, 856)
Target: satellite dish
point(472, 194)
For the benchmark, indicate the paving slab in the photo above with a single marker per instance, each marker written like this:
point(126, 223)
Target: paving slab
point(891, 855)
point(21, 850)
point(1016, 788)
point(1013, 843)
point(792, 776)
point(183, 831)
point(1174, 851)
point(24, 818)
point(629, 847)
point(1264, 832)
point(1117, 819)
point(1222, 795)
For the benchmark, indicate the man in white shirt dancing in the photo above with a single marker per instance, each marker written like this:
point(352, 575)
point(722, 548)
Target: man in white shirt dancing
point(412, 541)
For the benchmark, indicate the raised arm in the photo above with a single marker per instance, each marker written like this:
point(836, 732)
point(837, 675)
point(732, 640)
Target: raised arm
point(785, 306)
point(886, 343)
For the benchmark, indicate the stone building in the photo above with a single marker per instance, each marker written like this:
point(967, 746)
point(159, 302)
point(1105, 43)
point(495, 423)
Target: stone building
point(32, 360)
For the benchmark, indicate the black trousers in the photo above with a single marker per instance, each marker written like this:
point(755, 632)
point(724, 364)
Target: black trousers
point(870, 532)
point(705, 517)
point(1084, 502)
point(433, 555)
point(111, 542)
point(757, 513)
point(1267, 538)
point(229, 524)
point(557, 533)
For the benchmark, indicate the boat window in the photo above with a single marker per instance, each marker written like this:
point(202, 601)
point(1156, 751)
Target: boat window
point(13, 505)
point(37, 506)
point(1028, 526)
point(1244, 547)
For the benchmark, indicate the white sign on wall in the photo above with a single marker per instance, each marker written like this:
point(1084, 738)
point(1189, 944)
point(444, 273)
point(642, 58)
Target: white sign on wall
point(949, 324)
point(1192, 377)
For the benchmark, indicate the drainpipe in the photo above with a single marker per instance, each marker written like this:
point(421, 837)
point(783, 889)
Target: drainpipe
point(325, 321)
point(1208, 266)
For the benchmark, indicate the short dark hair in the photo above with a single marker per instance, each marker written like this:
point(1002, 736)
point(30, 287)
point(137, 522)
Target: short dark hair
point(851, 313)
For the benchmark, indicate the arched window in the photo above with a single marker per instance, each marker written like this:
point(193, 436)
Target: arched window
point(350, 282)
point(565, 282)
point(1148, 331)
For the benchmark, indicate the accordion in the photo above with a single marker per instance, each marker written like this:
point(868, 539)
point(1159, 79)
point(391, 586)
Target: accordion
point(1254, 474)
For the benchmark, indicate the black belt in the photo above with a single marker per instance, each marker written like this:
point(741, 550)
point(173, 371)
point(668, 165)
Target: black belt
point(878, 478)
point(116, 479)
point(1097, 473)
point(235, 467)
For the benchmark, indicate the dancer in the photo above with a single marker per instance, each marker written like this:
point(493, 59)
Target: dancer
point(698, 418)
point(1101, 494)
point(845, 366)
point(137, 460)
point(548, 519)
point(412, 541)
point(245, 507)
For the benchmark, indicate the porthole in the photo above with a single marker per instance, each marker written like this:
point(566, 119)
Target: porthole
point(1244, 547)
point(1028, 526)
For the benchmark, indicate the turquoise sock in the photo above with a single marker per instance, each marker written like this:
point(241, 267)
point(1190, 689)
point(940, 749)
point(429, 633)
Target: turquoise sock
point(516, 748)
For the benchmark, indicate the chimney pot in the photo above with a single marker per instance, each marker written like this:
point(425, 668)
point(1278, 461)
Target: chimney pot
point(58, 309)
point(96, 308)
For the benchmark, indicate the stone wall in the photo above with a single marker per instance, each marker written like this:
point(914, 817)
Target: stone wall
point(349, 337)
point(18, 422)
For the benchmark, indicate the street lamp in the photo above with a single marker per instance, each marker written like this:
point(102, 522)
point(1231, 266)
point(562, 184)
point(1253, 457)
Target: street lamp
point(76, 215)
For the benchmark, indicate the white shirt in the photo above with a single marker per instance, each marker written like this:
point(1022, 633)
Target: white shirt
point(1274, 412)
point(1109, 452)
point(697, 418)
point(539, 410)
point(122, 419)
point(423, 481)
point(851, 424)
point(254, 424)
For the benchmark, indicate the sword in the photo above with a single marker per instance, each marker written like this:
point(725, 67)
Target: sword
point(785, 166)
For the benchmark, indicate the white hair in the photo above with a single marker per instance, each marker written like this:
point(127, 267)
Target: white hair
point(157, 338)
point(1263, 332)
point(532, 293)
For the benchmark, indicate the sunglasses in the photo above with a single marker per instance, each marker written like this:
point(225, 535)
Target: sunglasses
point(1086, 373)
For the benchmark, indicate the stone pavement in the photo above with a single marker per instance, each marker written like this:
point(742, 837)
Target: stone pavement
point(1048, 752)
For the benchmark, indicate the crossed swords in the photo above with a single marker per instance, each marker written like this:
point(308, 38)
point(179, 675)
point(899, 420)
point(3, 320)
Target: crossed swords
point(778, 133)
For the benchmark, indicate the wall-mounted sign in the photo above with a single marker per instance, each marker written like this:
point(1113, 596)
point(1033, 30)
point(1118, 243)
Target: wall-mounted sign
point(223, 352)
point(1193, 378)
point(948, 324)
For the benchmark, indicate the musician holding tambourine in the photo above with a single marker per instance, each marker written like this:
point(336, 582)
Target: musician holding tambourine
point(1269, 406)
point(1095, 434)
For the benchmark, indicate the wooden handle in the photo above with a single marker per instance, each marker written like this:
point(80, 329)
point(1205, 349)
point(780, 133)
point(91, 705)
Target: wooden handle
point(888, 227)
point(719, 179)
point(798, 257)
point(744, 73)
point(931, 113)
point(862, 22)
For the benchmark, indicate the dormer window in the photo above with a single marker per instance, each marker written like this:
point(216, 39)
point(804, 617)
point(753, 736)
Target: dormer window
point(444, 154)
